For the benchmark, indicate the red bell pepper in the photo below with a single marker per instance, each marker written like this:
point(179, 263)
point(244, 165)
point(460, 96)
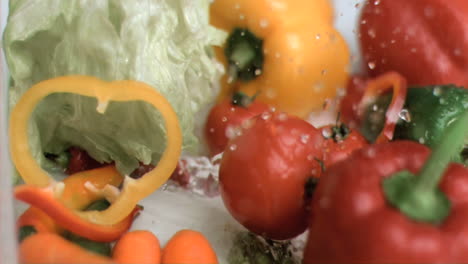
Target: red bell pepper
point(372, 209)
point(424, 40)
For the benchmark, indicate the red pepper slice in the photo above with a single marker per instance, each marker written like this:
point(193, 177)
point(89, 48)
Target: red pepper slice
point(43, 199)
point(378, 86)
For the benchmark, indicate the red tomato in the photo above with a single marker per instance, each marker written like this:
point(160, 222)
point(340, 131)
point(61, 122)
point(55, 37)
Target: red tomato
point(340, 143)
point(225, 119)
point(263, 173)
point(349, 104)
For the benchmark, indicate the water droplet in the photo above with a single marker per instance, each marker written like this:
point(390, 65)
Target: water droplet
point(357, 5)
point(442, 101)
point(224, 119)
point(326, 132)
point(405, 115)
point(383, 45)
point(258, 72)
point(282, 117)
point(318, 87)
point(266, 115)
point(243, 33)
point(272, 109)
point(233, 109)
point(457, 52)
point(277, 54)
point(375, 107)
point(310, 157)
point(264, 23)
point(341, 92)
point(371, 152)
point(421, 140)
point(317, 36)
point(363, 21)
point(270, 93)
point(376, 2)
point(212, 130)
point(371, 33)
point(242, 17)
point(392, 41)
point(437, 91)
point(305, 138)
point(233, 147)
point(371, 65)
point(237, 6)
point(230, 132)
point(314, 171)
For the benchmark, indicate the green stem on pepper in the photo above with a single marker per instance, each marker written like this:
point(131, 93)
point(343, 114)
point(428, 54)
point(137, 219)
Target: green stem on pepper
point(244, 52)
point(419, 197)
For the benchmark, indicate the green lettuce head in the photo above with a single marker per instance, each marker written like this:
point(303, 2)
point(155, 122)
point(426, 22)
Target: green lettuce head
point(164, 43)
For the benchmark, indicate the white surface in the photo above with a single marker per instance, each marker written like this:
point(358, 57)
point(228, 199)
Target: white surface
point(165, 212)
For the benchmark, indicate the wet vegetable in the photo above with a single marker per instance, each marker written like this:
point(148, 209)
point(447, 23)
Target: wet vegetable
point(264, 171)
point(287, 52)
point(424, 40)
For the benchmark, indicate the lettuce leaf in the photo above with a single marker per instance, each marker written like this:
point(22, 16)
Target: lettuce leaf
point(165, 43)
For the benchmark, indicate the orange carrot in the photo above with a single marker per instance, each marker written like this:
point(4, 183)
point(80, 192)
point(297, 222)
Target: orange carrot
point(38, 219)
point(51, 248)
point(188, 247)
point(137, 246)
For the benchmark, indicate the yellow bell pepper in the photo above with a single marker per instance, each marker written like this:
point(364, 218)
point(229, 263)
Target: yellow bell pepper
point(286, 51)
point(133, 190)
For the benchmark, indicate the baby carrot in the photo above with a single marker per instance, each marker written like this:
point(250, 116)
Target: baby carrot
point(188, 247)
point(51, 248)
point(137, 246)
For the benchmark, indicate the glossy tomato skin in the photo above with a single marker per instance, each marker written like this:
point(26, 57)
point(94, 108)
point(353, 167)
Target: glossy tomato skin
point(224, 118)
point(263, 173)
point(424, 40)
point(339, 147)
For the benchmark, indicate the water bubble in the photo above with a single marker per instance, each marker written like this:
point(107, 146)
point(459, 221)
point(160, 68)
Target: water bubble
point(421, 140)
point(272, 109)
point(266, 115)
point(212, 130)
point(376, 2)
point(405, 115)
point(437, 91)
point(363, 21)
point(442, 101)
point(375, 107)
point(224, 119)
point(258, 72)
point(317, 36)
point(233, 109)
point(371, 152)
point(243, 33)
point(305, 138)
point(371, 33)
point(270, 93)
point(371, 65)
point(230, 132)
point(233, 147)
point(310, 157)
point(282, 117)
point(341, 92)
point(264, 23)
point(318, 87)
point(241, 17)
point(392, 41)
point(326, 133)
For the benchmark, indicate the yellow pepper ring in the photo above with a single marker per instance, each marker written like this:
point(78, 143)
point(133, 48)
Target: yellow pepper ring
point(133, 190)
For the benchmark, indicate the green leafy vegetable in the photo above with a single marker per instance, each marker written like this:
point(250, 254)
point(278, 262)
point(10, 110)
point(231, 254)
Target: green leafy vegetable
point(165, 43)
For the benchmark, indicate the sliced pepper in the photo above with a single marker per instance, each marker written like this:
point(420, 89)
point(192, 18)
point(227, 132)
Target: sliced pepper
point(44, 199)
point(105, 92)
point(286, 51)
